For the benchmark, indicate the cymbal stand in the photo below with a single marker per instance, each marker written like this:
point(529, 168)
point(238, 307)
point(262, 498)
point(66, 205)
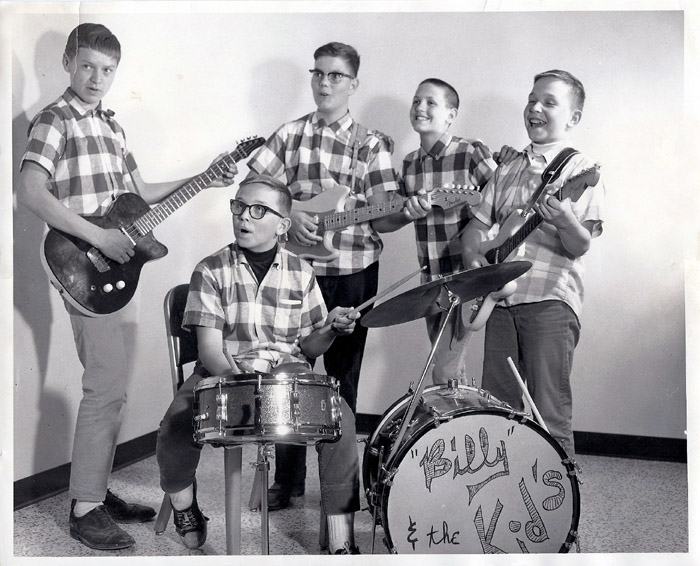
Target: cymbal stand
point(408, 415)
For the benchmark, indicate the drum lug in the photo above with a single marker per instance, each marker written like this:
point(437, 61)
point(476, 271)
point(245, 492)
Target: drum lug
point(574, 541)
point(204, 416)
point(221, 410)
point(575, 469)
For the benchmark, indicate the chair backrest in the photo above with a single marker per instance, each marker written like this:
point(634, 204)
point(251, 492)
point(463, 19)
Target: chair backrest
point(182, 344)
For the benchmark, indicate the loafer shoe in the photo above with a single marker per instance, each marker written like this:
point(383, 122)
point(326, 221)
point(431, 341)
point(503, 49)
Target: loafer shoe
point(191, 524)
point(278, 495)
point(98, 530)
point(123, 512)
point(347, 549)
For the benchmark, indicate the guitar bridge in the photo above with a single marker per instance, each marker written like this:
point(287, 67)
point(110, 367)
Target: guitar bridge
point(98, 260)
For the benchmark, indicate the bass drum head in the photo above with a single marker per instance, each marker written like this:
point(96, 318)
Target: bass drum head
point(481, 483)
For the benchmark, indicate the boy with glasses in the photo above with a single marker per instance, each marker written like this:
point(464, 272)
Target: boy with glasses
point(311, 155)
point(242, 326)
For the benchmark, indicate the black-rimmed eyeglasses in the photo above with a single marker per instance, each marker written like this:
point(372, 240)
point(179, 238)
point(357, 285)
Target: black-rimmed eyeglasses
point(256, 211)
point(334, 76)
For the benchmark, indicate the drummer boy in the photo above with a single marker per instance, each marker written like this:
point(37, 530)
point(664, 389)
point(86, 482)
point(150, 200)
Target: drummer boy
point(255, 307)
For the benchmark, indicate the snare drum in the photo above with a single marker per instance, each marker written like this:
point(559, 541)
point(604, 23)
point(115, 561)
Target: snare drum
point(294, 408)
point(471, 476)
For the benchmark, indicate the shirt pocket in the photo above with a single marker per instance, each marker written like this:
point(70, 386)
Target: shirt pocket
point(288, 314)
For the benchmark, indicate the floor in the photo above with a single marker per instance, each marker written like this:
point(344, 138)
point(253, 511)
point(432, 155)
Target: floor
point(627, 506)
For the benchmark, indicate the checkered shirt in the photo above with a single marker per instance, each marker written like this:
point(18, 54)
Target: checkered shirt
point(262, 321)
point(451, 160)
point(84, 152)
point(554, 275)
point(311, 157)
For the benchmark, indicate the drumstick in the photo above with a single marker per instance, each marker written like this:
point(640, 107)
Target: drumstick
point(378, 296)
point(527, 394)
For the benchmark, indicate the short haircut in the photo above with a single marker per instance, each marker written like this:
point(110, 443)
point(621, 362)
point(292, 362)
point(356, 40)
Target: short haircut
point(578, 94)
point(284, 195)
point(93, 36)
point(451, 95)
point(345, 52)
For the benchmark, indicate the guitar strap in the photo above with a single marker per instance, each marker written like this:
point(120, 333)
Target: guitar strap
point(550, 174)
point(355, 142)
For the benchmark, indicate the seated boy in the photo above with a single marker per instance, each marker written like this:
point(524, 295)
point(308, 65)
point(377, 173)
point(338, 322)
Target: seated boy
point(441, 159)
point(538, 325)
point(255, 307)
point(77, 164)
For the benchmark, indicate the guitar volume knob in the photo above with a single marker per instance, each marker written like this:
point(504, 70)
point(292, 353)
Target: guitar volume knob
point(120, 284)
point(108, 288)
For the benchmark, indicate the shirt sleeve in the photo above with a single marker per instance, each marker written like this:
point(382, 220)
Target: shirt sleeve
point(270, 159)
point(204, 306)
point(47, 141)
point(482, 164)
point(380, 176)
point(314, 311)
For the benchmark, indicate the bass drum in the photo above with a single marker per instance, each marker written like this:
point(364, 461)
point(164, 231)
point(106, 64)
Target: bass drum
point(470, 476)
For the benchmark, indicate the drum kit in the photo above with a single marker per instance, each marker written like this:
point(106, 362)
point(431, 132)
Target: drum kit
point(448, 469)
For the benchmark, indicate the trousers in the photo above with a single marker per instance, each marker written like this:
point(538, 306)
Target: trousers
point(540, 338)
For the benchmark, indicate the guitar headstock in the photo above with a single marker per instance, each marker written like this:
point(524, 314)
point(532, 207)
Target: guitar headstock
point(573, 188)
point(247, 146)
point(450, 195)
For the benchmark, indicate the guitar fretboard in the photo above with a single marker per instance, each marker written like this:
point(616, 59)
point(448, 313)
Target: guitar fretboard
point(497, 255)
point(339, 220)
point(147, 222)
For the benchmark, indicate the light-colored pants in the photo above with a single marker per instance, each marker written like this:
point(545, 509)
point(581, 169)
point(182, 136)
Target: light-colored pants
point(102, 352)
point(540, 338)
point(451, 352)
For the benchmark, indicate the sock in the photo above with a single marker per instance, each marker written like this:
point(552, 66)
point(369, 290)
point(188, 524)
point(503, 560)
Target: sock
point(82, 508)
point(341, 530)
point(181, 500)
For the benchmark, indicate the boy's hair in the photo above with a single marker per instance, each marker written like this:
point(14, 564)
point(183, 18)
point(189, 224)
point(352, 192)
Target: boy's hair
point(578, 94)
point(345, 52)
point(451, 95)
point(284, 195)
point(93, 36)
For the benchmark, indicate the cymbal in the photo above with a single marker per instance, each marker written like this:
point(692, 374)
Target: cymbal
point(432, 297)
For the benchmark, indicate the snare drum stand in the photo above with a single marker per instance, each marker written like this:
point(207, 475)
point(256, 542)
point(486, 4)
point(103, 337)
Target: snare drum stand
point(262, 469)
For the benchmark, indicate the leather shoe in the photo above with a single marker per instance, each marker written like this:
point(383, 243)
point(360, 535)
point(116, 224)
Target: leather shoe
point(98, 530)
point(347, 549)
point(191, 524)
point(123, 512)
point(278, 495)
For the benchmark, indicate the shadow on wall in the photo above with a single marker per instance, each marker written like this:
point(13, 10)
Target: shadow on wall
point(31, 286)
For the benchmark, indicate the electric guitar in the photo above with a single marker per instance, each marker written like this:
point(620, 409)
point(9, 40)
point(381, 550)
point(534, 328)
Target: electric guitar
point(512, 233)
point(329, 208)
point(96, 285)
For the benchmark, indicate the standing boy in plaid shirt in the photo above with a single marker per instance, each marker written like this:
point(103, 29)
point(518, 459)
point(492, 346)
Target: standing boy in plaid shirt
point(441, 159)
point(538, 326)
point(263, 304)
point(77, 163)
point(311, 155)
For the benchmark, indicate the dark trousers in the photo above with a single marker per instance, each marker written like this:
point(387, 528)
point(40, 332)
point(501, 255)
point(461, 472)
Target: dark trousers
point(342, 360)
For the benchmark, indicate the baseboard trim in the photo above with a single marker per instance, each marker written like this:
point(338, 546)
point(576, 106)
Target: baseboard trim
point(52, 482)
point(56, 480)
point(595, 443)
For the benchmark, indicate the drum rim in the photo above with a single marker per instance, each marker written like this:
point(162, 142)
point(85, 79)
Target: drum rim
point(385, 490)
point(235, 379)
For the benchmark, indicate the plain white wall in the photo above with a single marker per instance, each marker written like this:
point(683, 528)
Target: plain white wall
point(191, 84)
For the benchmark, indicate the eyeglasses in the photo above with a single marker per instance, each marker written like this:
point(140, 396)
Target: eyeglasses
point(257, 211)
point(334, 76)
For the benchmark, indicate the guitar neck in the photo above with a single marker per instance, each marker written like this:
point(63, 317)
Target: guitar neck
point(183, 194)
point(345, 218)
point(500, 253)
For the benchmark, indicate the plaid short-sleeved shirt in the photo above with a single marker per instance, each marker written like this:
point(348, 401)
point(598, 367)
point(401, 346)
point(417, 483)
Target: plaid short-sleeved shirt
point(84, 151)
point(451, 160)
point(259, 321)
point(554, 274)
point(311, 157)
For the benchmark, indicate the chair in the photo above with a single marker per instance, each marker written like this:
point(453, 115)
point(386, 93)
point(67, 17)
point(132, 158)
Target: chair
point(182, 349)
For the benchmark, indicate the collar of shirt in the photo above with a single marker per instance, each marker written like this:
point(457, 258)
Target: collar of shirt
point(547, 152)
point(438, 149)
point(80, 108)
point(341, 125)
point(238, 257)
